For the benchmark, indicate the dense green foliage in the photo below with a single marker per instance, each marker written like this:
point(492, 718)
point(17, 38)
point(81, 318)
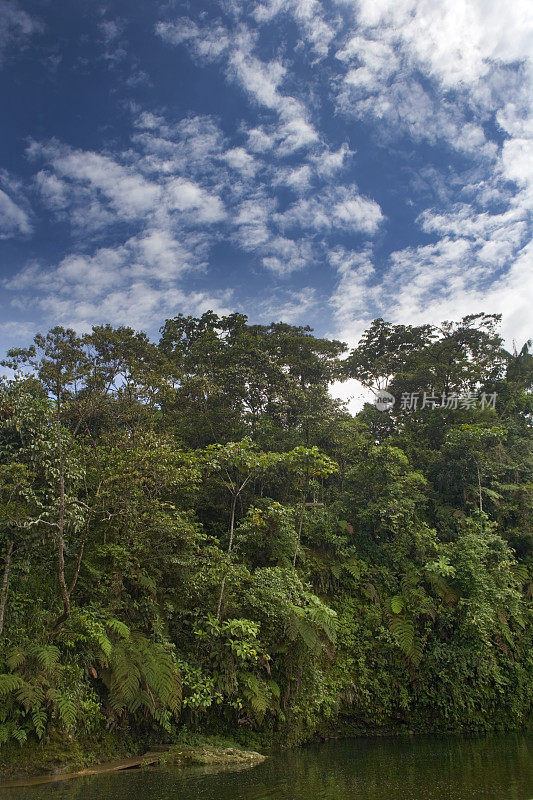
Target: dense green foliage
point(193, 533)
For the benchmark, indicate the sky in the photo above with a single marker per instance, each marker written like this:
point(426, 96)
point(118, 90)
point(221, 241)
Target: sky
point(321, 162)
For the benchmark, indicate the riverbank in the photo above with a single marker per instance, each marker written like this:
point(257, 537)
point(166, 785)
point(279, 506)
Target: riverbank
point(61, 755)
point(60, 759)
point(376, 768)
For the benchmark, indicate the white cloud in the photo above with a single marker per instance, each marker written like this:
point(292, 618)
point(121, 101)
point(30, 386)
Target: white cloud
point(297, 178)
point(164, 257)
point(139, 305)
point(517, 161)
point(259, 141)
point(284, 256)
point(354, 301)
point(14, 221)
point(456, 40)
point(429, 284)
point(403, 105)
point(261, 80)
point(129, 194)
point(184, 195)
point(16, 27)
point(439, 74)
point(342, 208)
point(290, 306)
point(327, 163)
point(100, 190)
point(136, 283)
point(17, 331)
point(208, 43)
point(52, 189)
point(278, 184)
point(318, 32)
point(111, 29)
point(114, 48)
point(352, 393)
point(458, 44)
point(241, 160)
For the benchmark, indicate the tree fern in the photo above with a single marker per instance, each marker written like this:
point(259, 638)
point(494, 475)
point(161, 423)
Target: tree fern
point(142, 677)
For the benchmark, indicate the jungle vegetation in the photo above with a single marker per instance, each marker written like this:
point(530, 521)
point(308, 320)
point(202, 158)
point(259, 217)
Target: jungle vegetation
point(194, 534)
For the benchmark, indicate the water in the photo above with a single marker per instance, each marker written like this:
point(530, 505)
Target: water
point(428, 768)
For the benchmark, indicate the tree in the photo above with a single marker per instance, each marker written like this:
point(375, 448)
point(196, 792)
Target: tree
point(237, 464)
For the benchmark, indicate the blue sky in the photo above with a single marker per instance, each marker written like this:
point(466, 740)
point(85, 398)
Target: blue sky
point(319, 162)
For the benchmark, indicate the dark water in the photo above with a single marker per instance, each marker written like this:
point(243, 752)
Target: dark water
point(495, 768)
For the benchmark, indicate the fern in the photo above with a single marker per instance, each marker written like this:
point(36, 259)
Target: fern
point(15, 659)
point(142, 677)
point(19, 734)
point(353, 567)
point(39, 719)
point(30, 695)
point(47, 656)
point(67, 711)
point(9, 683)
point(404, 632)
point(118, 627)
point(5, 732)
point(303, 629)
point(403, 629)
point(258, 694)
point(397, 604)
point(520, 573)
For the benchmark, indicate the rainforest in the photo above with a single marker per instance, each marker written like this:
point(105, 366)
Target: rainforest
point(197, 538)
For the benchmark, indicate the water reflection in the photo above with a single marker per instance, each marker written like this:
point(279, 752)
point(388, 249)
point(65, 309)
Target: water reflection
point(499, 768)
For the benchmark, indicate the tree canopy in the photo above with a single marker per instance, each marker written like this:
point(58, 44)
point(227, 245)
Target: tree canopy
point(193, 532)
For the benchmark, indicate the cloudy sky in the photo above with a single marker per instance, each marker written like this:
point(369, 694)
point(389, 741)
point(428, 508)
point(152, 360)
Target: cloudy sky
point(318, 161)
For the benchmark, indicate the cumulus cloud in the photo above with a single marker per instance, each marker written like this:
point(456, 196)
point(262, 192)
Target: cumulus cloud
point(103, 189)
point(431, 283)
point(459, 45)
point(456, 41)
point(444, 75)
point(343, 208)
point(283, 185)
point(260, 80)
point(136, 283)
point(15, 215)
point(207, 43)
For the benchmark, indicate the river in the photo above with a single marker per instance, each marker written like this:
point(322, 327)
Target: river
point(418, 768)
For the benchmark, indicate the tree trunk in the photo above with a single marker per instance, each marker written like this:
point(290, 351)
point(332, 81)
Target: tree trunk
point(61, 528)
point(300, 526)
point(479, 488)
point(61, 545)
point(5, 585)
point(230, 547)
